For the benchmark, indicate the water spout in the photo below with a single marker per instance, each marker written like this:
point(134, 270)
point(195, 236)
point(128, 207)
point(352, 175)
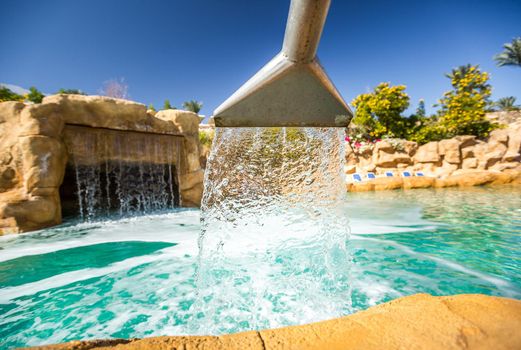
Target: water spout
point(292, 89)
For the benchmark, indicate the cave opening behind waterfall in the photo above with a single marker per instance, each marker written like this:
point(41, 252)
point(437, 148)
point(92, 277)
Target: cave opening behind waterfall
point(119, 173)
point(116, 188)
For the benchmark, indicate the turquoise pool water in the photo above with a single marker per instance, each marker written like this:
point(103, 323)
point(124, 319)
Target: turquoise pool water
point(135, 277)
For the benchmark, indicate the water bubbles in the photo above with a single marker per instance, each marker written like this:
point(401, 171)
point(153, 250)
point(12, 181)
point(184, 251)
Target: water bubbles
point(269, 220)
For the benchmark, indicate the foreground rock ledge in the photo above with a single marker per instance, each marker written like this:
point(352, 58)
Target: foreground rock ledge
point(421, 321)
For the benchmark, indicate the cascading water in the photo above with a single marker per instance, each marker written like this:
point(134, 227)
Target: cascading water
point(272, 249)
point(123, 172)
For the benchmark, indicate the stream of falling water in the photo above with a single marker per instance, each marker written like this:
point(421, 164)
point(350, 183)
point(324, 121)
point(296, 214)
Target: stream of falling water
point(272, 249)
point(123, 173)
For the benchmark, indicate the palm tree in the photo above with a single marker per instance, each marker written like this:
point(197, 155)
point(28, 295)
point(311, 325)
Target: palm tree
point(193, 106)
point(511, 55)
point(507, 104)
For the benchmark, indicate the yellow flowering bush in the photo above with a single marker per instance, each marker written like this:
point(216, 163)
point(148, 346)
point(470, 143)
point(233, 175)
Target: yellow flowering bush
point(463, 108)
point(379, 112)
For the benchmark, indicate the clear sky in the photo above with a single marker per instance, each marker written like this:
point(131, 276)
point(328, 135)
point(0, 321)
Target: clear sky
point(205, 49)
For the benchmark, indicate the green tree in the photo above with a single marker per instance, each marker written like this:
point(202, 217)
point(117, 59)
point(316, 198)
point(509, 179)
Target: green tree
point(507, 104)
point(71, 92)
point(167, 105)
point(7, 95)
point(35, 95)
point(511, 55)
point(380, 111)
point(463, 108)
point(193, 106)
point(151, 107)
point(420, 111)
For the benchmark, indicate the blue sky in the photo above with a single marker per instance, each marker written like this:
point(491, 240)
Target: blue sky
point(205, 49)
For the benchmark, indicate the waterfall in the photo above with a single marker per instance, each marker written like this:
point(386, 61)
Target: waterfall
point(125, 173)
point(272, 249)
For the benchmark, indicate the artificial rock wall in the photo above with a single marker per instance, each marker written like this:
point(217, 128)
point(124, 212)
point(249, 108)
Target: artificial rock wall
point(500, 152)
point(34, 151)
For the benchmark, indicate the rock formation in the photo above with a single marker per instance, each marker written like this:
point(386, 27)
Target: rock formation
point(440, 160)
point(34, 154)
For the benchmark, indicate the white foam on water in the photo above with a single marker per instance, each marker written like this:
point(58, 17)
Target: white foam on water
point(11, 293)
point(177, 227)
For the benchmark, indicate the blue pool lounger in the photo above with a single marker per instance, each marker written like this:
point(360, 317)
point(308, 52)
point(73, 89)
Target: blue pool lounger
point(389, 174)
point(357, 177)
point(419, 173)
point(371, 176)
point(406, 174)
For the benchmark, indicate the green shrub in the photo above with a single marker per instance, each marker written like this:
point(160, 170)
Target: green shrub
point(380, 111)
point(206, 137)
point(35, 95)
point(71, 92)
point(7, 95)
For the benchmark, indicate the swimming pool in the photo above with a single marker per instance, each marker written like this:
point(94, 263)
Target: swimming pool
point(135, 277)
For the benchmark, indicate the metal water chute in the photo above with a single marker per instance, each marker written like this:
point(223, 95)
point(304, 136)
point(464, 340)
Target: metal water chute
point(293, 89)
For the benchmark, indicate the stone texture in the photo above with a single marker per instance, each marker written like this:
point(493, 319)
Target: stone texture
point(33, 150)
point(460, 178)
point(450, 150)
point(191, 186)
point(427, 153)
point(500, 152)
point(469, 163)
point(420, 321)
point(43, 160)
point(185, 121)
point(513, 152)
point(504, 117)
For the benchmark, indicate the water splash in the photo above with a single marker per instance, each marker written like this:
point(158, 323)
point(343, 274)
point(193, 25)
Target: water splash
point(272, 249)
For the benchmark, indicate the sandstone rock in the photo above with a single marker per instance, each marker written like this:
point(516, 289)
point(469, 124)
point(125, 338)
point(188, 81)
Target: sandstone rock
point(384, 146)
point(9, 226)
point(33, 153)
point(34, 213)
point(41, 119)
point(191, 186)
point(185, 121)
point(349, 169)
point(447, 169)
point(409, 147)
point(471, 177)
point(513, 152)
point(467, 152)
point(499, 136)
point(418, 182)
point(427, 153)
point(469, 163)
point(450, 150)
point(504, 166)
point(466, 140)
point(191, 146)
point(391, 160)
point(10, 111)
point(8, 178)
point(419, 321)
point(504, 117)
point(44, 160)
point(103, 112)
point(385, 183)
point(360, 186)
point(351, 157)
point(494, 152)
